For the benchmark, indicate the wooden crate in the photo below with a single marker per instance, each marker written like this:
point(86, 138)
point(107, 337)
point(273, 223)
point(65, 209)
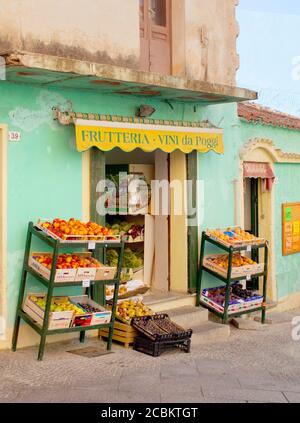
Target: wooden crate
point(122, 333)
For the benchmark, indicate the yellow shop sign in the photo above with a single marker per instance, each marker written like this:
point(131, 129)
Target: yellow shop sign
point(107, 135)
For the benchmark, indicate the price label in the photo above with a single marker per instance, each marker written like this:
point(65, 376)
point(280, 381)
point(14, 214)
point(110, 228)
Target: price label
point(248, 278)
point(249, 248)
point(91, 246)
point(86, 283)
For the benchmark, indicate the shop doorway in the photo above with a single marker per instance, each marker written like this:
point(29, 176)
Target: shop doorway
point(164, 251)
point(258, 208)
point(155, 36)
point(147, 251)
point(251, 218)
point(3, 226)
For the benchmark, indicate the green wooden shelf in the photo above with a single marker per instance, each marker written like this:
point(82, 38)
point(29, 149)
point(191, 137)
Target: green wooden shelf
point(233, 279)
point(57, 246)
point(46, 282)
point(229, 279)
point(237, 314)
point(39, 328)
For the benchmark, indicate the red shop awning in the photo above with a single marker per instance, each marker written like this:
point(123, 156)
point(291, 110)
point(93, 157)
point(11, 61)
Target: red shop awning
point(260, 170)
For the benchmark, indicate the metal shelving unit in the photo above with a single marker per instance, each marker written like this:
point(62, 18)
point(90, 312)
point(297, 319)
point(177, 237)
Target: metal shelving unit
point(57, 247)
point(229, 280)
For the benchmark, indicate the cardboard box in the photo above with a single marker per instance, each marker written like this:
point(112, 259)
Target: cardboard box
point(61, 275)
point(134, 287)
point(236, 304)
point(73, 275)
point(57, 319)
point(236, 272)
point(105, 273)
point(90, 319)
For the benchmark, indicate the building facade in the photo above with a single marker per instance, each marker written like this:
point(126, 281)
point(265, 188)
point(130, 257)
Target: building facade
point(177, 57)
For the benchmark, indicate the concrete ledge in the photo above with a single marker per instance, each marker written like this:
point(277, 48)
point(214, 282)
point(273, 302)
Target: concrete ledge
point(71, 68)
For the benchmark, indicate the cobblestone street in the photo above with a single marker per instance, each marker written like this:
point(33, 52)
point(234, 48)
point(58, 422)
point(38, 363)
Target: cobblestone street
point(252, 366)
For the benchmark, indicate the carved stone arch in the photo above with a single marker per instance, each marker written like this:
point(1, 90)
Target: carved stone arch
point(276, 155)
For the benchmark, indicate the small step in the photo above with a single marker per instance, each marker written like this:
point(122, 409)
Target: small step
point(188, 317)
point(160, 302)
point(209, 332)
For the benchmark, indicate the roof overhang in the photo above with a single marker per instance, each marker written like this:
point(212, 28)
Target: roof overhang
point(47, 70)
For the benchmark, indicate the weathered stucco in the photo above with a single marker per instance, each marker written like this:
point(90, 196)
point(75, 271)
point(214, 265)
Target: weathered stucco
point(107, 31)
point(211, 32)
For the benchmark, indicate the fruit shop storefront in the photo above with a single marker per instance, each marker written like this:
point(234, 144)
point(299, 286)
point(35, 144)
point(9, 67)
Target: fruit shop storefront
point(257, 189)
point(51, 166)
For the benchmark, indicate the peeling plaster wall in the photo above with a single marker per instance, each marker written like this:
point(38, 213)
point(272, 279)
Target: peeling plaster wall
point(105, 31)
point(211, 32)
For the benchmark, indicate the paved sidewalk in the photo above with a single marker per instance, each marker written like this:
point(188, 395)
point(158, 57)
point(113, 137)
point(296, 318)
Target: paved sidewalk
point(252, 366)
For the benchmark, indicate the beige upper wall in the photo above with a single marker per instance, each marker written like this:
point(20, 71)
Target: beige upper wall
point(107, 31)
point(211, 33)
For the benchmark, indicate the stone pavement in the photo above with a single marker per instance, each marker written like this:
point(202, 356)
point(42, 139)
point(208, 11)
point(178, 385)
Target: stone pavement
point(252, 366)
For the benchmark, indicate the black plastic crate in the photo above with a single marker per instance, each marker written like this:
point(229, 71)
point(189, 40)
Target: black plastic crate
point(175, 333)
point(156, 348)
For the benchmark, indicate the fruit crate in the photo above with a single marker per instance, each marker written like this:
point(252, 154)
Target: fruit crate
point(160, 327)
point(238, 242)
point(61, 275)
point(123, 333)
point(155, 349)
point(73, 275)
point(39, 321)
point(99, 317)
point(133, 288)
point(236, 304)
point(222, 306)
point(77, 238)
point(236, 272)
point(137, 299)
point(57, 319)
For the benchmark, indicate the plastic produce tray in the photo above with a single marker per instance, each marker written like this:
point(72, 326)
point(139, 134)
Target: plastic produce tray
point(155, 349)
point(160, 327)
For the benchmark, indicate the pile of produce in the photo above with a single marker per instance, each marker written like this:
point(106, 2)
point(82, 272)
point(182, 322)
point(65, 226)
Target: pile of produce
point(57, 304)
point(68, 261)
point(242, 293)
point(129, 309)
point(88, 308)
point(131, 259)
point(232, 235)
point(237, 293)
point(66, 229)
point(110, 291)
point(127, 229)
point(237, 260)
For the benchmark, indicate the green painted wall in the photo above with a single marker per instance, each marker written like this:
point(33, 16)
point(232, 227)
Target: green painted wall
point(45, 171)
point(219, 173)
